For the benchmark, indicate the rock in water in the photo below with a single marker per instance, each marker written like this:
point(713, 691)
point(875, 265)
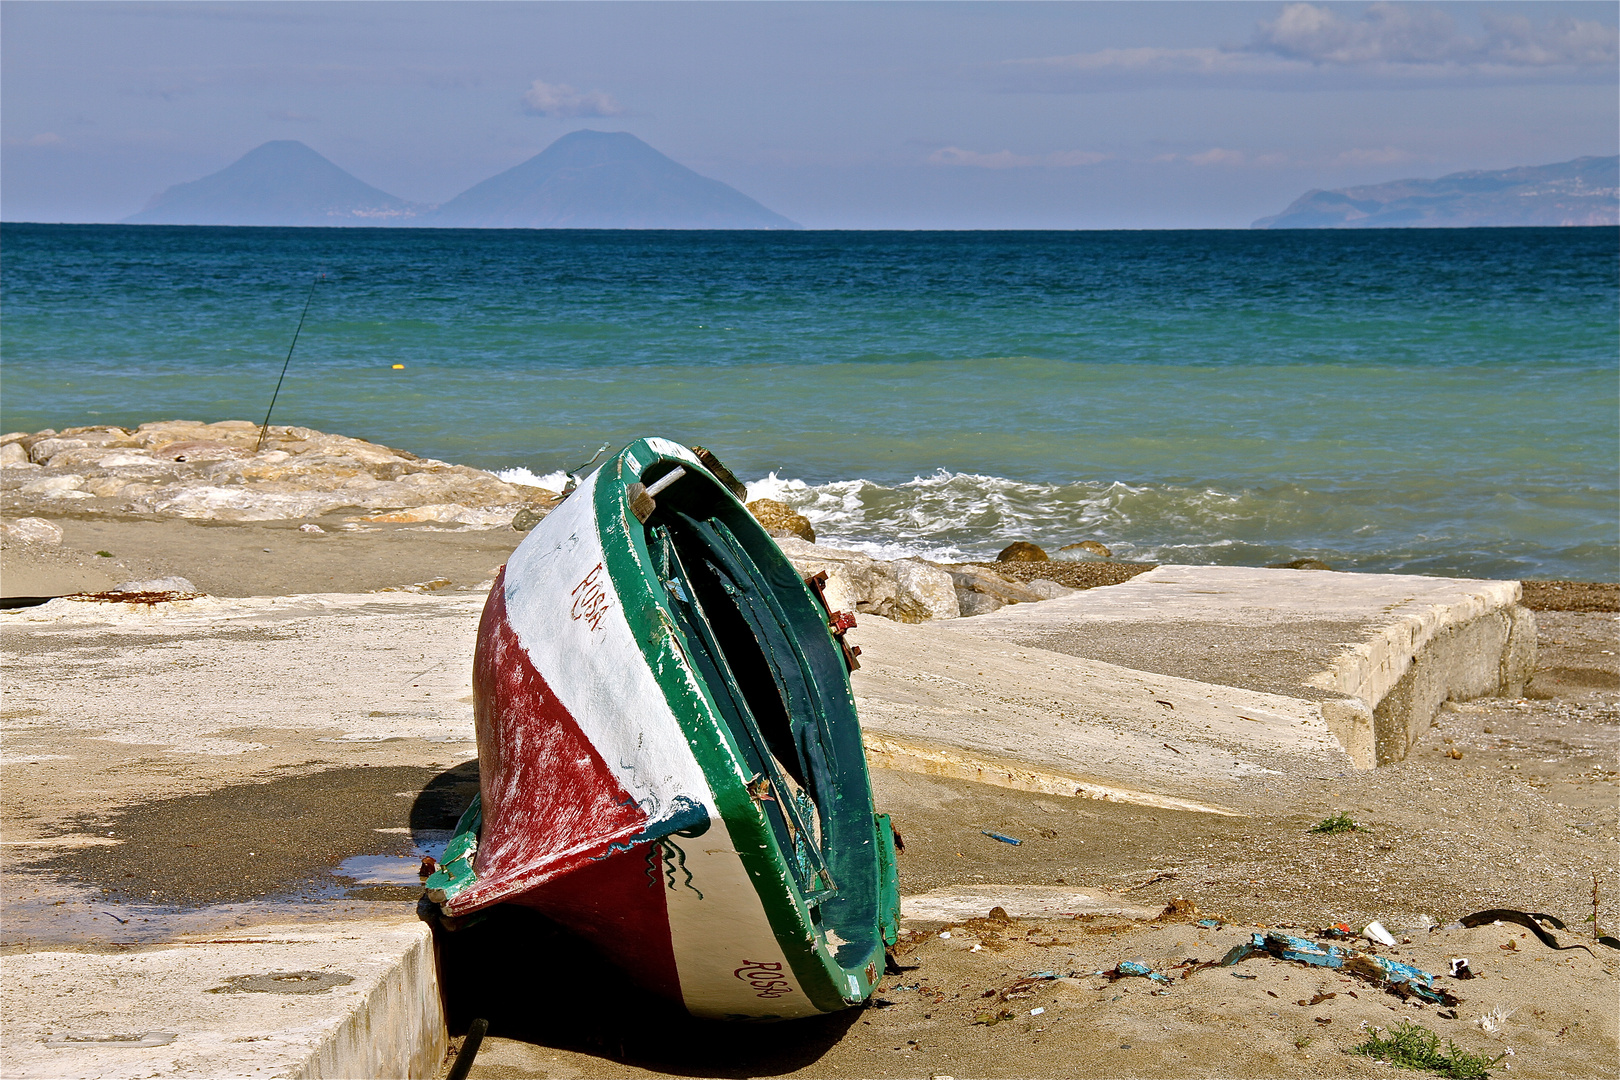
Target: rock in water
point(1021, 551)
point(1085, 548)
point(780, 519)
point(1299, 564)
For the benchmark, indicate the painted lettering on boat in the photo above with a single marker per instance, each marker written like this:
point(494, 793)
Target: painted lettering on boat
point(590, 599)
point(765, 976)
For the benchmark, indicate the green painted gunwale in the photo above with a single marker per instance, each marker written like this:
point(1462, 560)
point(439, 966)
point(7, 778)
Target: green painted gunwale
point(865, 883)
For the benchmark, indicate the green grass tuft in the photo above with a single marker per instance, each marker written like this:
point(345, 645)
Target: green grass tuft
point(1338, 823)
point(1413, 1046)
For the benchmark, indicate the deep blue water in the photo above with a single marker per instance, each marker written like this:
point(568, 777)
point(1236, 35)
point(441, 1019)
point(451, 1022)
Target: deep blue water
point(1439, 401)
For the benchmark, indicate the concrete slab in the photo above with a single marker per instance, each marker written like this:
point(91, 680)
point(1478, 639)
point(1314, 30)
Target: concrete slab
point(116, 711)
point(183, 674)
point(343, 1000)
point(936, 701)
point(939, 906)
point(1379, 651)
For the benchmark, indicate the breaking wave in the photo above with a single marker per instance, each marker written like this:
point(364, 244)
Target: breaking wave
point(971, 516)
point(523, 477)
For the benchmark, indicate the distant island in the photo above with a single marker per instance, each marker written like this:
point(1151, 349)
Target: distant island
point(584, 180)
point(280, 183)
point(1585, 191)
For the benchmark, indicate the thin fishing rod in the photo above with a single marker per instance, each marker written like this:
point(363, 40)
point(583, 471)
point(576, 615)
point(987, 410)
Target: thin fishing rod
point(266, 425)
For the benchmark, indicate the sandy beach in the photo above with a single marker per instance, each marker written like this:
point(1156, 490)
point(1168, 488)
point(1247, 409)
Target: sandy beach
point(1503, 803)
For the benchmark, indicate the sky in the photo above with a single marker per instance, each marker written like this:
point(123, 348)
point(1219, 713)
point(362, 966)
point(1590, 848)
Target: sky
point(839, 115)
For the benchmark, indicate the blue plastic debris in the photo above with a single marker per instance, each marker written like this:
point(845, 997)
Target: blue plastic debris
point(1242, 951)
point(1416, 981)
point(1420, 982)
point(1304, 950)
point(1137, 968)
point(1003, 839)
point(1209, 924)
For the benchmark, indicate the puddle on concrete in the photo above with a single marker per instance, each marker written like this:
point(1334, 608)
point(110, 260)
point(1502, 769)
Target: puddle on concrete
point(236, 859)
point(74, 919)
point(394, 869)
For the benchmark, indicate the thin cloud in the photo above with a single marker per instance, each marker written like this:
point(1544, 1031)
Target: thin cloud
point(1418, 34)
point(1217, 155)
point(558, 99)
point(1387, 42)
point(1006, 159)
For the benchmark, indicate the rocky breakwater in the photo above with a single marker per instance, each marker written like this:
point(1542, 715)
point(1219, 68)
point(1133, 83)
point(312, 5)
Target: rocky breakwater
point(188, 469)
point(910, 590)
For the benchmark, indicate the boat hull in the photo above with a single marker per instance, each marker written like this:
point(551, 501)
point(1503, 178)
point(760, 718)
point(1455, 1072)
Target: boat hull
point(626, 782)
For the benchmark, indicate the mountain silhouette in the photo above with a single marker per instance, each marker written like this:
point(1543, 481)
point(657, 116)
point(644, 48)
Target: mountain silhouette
point(280, 183)
point(603, 180)
point(1585, 191)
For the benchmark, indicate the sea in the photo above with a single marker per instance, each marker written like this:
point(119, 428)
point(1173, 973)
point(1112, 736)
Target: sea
point(1435, 401)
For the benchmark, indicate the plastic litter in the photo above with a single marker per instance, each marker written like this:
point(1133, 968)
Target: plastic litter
point(1402, 979)
point(1374, 931)
point(1210, 924)
point(1137, 968)
point(1339, 931)
point(1460, 969)
point(1003, 839)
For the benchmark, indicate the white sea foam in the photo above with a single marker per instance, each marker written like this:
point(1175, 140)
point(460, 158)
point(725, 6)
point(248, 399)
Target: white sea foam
point(960, 516)
point(552, 481)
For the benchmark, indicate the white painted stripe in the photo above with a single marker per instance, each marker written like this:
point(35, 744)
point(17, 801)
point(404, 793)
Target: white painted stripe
point(598, 671)
point(725, 951)
point(577, 637)
point(672, 449)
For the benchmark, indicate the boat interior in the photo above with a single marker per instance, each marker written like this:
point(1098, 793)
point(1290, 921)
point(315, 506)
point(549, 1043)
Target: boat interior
point(762, 646)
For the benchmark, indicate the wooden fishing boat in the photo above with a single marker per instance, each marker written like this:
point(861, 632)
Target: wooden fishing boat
point(669, 758)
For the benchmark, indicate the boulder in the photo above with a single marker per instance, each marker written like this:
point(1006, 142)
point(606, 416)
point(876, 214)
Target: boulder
point(780, 519)
point(41, 452)
point(52, 485)
point(183, 468)
point(979, 590)
point(1085, 549)
point(1299, 564)
point(1021, 551)
point(31, 530)
point(527, 518)
point(910, 590)
point(929, 585)
point(1048, 590)
point(855, 582)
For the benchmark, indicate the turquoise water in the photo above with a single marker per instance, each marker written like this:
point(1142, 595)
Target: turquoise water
point(1436, 401)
